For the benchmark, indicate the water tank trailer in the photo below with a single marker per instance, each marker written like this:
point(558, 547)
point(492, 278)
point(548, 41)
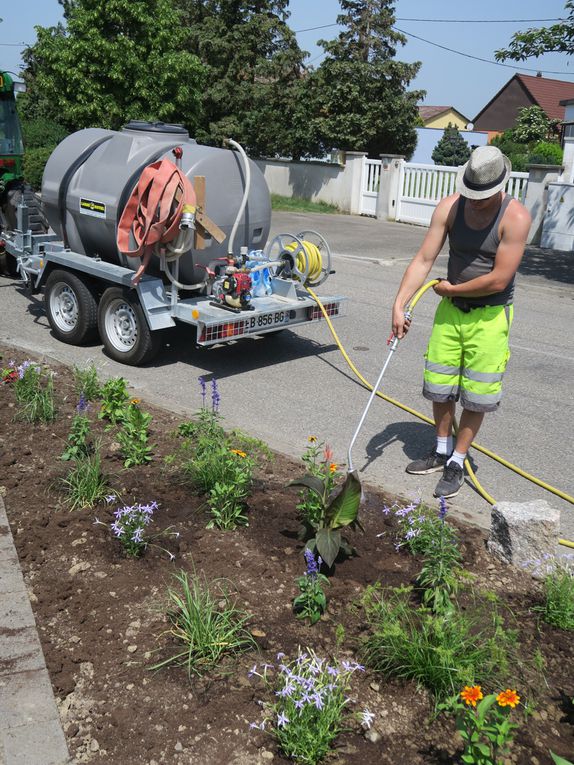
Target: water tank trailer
point(150, 228)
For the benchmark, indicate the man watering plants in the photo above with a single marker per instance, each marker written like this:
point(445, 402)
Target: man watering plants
point(468, 348)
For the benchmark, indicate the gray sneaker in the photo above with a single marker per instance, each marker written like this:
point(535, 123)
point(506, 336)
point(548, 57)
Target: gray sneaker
point(432, 463)
point(451, 482)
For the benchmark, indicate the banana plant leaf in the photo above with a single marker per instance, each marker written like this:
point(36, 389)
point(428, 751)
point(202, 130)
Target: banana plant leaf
point(344, 509)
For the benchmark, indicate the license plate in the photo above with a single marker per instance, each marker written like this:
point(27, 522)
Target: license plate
point(266, 320)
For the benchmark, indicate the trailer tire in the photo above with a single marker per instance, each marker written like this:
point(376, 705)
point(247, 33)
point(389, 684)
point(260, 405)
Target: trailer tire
point(71, 307)
point(124, 330)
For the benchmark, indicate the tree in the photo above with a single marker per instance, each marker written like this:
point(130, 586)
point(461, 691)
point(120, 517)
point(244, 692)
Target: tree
point(452, 150)
point(254, 73)
point(112, 61)
point(527, 142)
point(362, 98)
point(532, 124)
point(558, 38)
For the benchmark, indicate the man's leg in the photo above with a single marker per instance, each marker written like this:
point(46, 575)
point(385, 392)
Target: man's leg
point(443, 413)
point(469, 426)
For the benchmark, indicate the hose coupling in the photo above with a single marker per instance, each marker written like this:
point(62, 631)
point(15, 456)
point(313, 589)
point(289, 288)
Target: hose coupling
point(187, 220)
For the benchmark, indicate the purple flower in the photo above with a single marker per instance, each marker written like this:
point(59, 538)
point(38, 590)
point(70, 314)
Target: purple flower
point(215, 397)
point(443, 508)
point(83, 405)
point(203, 386)
point(412, 533)
point(137, 535)
point(117, 529)
point(111, 498)
point(312, 567)
point(282, 720)
point(318, 701)
point(367, 718)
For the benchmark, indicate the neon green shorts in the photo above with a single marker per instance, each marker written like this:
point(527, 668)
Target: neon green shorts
point(467, 355)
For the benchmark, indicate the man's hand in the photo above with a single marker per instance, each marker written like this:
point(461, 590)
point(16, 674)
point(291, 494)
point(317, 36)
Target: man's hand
point(443, 288)
point(400, 323)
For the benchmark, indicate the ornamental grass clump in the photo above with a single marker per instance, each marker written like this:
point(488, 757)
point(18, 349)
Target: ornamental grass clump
point(439, 652)
point(558, 582)
point(34, 393)
point(484, 724)
point(87, 382)
point(85, 484)
point(205, 623)
point(131, 528)
point(311, 704)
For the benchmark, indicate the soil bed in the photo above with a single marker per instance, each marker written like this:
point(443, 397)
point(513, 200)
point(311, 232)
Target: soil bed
point(101, 616)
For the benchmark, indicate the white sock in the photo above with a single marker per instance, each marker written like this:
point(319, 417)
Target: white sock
point(458, 458)
point(444, 444)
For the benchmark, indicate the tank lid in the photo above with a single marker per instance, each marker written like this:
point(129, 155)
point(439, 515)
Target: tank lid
point(156, 127)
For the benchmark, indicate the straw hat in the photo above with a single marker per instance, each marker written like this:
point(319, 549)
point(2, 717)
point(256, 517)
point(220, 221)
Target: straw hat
point(485, 173)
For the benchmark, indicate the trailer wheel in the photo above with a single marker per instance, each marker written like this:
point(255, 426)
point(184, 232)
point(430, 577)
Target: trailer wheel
point(124, 330)
point(71, 307)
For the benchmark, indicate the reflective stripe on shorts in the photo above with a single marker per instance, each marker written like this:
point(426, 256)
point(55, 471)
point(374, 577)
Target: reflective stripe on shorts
point(467, 355)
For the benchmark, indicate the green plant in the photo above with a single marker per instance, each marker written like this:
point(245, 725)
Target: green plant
point(34, 163)
point(324, 509)
point(546, 153)
point(440, 653)
point(312, 602)
point(34, 393)
point(484, 724)
point(77, 445)
point(85, 484)
point(559, 596)
point(452, 150)
point(205, 623)
point(311, 696)
point(130, 526)
point(560, 760)
point(87, 382)
point(439, 574)
point(133, 436)
point(114, 400)
point(340, 635)
point(227, 497)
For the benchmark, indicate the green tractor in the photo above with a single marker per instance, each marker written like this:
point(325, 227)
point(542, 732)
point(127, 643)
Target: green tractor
point(13, 189)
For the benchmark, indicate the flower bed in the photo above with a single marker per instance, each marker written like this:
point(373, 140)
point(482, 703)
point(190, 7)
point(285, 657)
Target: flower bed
point(108, 612)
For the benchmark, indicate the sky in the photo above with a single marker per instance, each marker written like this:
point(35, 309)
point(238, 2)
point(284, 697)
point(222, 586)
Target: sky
point(449, 78)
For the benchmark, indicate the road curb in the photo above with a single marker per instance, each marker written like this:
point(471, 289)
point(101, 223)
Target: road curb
point(30, 729)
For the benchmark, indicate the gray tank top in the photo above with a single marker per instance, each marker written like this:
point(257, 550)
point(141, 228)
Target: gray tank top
point(472, 254)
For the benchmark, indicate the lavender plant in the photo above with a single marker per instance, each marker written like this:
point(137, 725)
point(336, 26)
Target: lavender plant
point(133, 436)
point(77, 445)
point(311, 703)
point(131, 528)
point(311, 602)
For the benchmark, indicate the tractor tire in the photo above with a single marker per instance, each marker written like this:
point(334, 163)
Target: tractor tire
point(124, 330)
point(71, 307)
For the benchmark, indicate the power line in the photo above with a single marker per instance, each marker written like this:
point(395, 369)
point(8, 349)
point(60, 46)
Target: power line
point(447, 21)
point(14, 45)
point(478, 58)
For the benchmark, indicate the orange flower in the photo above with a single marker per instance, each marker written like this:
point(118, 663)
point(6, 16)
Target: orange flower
point(508, 698)
point(471, 694)
point(134, 401)
point(239, 454)
point(328, 453)
point(332, 467)
point(312, 439)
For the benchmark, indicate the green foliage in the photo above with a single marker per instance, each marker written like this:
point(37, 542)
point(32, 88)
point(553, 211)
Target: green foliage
point(486, 730)
point(77, 445)
point(205, 623)
point(87, 382)
point(559, 596)
point(517, 153)
point(359, 92)
point(34, 394)
point(532, 124)
point(114, 397)
point(312, 601)
point(133, 436)
point(452, 150)
point(560, 760)
point(301, 205)
point(254, 74)
point(558, 38)
point(326, 509)
point(227, 498)
point(113, 60)
point(42, 133)
point(440, 653)
point(546, 153)
point(85, 484)
point(34, 164)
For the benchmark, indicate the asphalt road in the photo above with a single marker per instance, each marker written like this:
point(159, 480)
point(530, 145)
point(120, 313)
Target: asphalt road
point(286, 387)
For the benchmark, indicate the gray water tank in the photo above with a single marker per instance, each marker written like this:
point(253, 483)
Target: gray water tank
point(91, 174)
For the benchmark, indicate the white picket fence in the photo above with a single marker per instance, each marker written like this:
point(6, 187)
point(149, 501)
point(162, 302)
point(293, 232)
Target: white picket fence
point(370, 181)
point(421, 187)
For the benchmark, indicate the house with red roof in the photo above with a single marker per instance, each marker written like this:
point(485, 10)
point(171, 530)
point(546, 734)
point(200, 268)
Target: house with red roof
point(521, 91)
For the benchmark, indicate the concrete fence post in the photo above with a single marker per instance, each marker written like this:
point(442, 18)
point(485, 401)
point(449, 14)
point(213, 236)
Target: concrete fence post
point(539, 176)
point(354, 169)
point(389, 190)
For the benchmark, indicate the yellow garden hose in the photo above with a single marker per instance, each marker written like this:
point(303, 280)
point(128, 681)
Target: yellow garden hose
point(426, 419)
